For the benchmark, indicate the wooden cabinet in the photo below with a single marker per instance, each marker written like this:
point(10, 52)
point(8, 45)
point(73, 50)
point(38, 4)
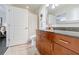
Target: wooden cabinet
point(43, 44)
point(60, 50)
point(50, 43)
point(46, 47)
point(69, 42)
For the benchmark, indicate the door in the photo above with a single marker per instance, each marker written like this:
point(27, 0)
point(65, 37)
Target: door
point(32, 22)
point(18, 26)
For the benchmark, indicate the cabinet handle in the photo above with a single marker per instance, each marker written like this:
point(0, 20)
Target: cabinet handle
point(64, 41)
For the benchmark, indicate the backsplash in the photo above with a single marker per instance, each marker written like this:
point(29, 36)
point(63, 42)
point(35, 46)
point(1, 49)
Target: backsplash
point(67, 28)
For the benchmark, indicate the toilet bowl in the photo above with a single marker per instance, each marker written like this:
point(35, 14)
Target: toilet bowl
point(33, 40)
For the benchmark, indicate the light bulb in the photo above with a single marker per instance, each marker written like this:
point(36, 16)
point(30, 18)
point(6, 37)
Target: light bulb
point(53, 6)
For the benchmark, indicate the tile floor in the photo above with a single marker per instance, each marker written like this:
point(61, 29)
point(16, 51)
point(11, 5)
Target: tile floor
point(25, 49)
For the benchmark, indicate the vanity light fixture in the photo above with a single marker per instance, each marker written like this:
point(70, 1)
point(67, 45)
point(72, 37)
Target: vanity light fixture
point(54, 6)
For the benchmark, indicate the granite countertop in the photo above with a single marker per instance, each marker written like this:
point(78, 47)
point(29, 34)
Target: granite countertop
point(68, 33)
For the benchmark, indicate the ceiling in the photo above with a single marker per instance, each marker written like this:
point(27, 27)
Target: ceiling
point(34, 8)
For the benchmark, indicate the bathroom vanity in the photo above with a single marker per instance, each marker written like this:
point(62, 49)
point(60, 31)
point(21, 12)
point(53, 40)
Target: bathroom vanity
point(57, 42)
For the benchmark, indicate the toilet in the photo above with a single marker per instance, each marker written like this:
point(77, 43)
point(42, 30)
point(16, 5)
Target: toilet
point(33, 40)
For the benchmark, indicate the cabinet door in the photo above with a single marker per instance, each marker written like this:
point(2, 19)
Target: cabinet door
point(43, 44)
point(60, 50)
point(47, 47)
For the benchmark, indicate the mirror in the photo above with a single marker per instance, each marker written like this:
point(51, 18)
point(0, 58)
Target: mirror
point(64, 13)
point(50, 16)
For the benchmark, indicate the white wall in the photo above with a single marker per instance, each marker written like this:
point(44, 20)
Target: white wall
point(32, 23)
point(42, 21)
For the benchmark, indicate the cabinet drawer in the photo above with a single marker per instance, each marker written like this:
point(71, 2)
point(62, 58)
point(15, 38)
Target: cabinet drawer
point(68, 42)
point(60, 50)
point(65, 38)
